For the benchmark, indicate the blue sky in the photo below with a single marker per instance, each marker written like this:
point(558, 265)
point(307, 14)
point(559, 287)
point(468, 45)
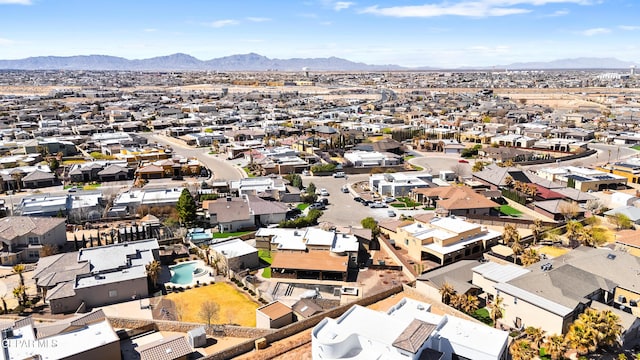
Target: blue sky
point(440, 33)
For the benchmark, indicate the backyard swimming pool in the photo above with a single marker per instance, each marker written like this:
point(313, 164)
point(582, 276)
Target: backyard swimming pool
point(183, 273)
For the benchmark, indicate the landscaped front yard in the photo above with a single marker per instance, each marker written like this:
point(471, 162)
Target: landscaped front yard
point(235, 306)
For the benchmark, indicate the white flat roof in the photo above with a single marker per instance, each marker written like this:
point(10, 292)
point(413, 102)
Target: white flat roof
point(500, 272)
point(461, 244)
point(454, 225)
point(25, 345)
point(233, 248)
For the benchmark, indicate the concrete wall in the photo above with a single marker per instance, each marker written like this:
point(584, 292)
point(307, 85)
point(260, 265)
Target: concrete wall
point(532, 315)
point(176, 326)
point(126, 290)
point(65, 305)
point(109, 351)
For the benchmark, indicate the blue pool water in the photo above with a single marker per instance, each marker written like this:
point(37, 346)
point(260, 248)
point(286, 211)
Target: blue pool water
point(183, 273)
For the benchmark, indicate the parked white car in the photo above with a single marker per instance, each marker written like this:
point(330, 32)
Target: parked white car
point(324, 192)
point(377, 204)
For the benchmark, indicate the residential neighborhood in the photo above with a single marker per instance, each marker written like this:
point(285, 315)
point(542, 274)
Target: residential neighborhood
point(421, 215)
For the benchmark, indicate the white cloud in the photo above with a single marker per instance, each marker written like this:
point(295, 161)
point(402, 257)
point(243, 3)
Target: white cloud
point(326, 23)
point(478, 8)
point(150, 30)
point(595, 31)
point(6, 42)
point(558, 13)
point(629, 27)
point(258, 19)
point(223, 23)
point(16, 2)
point(342, 5)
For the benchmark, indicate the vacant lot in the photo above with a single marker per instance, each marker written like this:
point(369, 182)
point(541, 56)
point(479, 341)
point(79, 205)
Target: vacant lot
point(235, 306)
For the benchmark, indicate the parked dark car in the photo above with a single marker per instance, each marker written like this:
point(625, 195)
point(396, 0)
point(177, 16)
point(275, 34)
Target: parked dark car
point(293, 213)
point(358, 199)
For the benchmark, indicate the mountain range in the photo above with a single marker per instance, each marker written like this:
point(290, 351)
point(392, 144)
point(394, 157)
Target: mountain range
point(256, 62)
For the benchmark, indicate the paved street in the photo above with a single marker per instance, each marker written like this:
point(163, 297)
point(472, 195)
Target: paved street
point(222, 169)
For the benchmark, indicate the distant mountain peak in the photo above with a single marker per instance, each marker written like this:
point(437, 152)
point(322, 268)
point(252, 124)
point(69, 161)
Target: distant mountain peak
point(256, 62)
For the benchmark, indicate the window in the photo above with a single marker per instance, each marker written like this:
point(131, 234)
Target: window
point(518, 322)
point(34, 240)
point(406, 241)
point(113, 293)
point(515, 300)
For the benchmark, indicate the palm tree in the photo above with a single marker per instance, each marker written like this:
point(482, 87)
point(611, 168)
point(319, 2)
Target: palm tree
point(447, 292)
point(457, 301)
point(535, 335)
point(508, 180)
point(477, 166)
point(536, 230)
point(19, 269)
point(153, 271)
point(497, 311)
point(555, 346)
point(573, 228)
point(530, 256)
point(18, 293)
point(609, 328)
point(585, 236)
point(470, 303)
point(510, 234)
point(522, 350)
point(517, 248)
point(582, 338)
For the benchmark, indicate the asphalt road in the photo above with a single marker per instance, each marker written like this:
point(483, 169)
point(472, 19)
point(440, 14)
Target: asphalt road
point(222, 169)
point(342, 209)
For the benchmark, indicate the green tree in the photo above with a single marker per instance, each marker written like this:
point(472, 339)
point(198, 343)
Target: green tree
point(371, 224)
point(478, 166)
point(621, 221)
point(311, 188)
point(186, 207)
point(54, 164)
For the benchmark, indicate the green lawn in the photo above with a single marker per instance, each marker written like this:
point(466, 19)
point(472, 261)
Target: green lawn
point(265, 255)
point(405, 202)
point(636, 147)
point(249, 173)
point(302, 206)
point(483, 315)
point(229, 234)
point(91, 187)
point(508, 210)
